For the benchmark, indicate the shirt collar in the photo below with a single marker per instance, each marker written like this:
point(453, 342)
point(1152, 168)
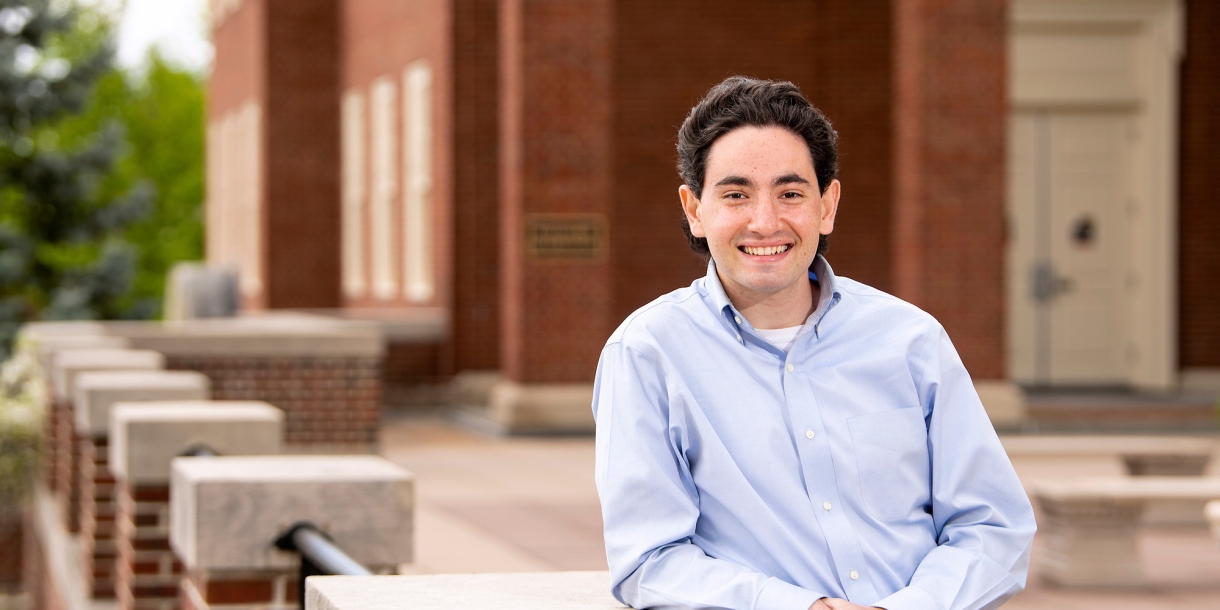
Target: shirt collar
point(829, 293)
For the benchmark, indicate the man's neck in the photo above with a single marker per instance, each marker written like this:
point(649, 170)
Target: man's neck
point(785, 309)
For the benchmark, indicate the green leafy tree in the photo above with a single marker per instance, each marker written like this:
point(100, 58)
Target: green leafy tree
point(62, 214)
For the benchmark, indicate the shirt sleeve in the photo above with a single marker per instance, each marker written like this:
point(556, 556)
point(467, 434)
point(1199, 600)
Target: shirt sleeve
point(984, 519)
point(650, 504)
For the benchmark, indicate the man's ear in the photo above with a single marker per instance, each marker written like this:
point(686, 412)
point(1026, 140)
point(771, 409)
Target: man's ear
point(690, 205)
point(830, 207)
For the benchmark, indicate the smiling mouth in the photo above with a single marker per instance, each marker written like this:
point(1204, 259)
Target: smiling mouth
point(764, 250)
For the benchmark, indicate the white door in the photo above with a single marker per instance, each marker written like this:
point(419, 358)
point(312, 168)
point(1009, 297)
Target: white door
point(1068, 210)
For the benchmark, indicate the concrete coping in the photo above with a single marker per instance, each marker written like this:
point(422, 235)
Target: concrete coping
point(1067, 445)
point(38, 331)
point(532, 591)
point(145, 437)
point(48, 345)
point(268, 335)
point(1127, 489)
point(96, 391)
point(69, 363)
point(400, 324)
point(226, 512)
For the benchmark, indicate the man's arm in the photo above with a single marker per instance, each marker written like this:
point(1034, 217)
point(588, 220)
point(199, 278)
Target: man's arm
point(650, 504)
point(984, 519)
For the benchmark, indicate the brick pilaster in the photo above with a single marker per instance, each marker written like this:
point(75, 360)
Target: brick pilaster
point(147, 574)
point(556, 147)
point(203, 589)
point(96, 516)
point(950, 116)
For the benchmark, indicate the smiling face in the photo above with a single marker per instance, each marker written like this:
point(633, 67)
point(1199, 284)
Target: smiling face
point(761, 213)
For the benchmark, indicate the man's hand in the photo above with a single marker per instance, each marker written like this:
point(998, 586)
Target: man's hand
point(834, 603)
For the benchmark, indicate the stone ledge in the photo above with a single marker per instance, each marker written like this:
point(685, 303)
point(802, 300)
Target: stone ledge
point(542, 408)
point(272, 334)
point(69, 363)
point(529, 591)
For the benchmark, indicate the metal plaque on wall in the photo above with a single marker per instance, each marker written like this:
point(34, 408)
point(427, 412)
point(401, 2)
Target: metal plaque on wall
point(565, 237)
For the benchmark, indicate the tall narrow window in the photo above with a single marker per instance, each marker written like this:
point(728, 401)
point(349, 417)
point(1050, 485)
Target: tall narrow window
point(417, 180)
point(353, 194)
point(250, 215)
point(384, 166)
point(214, 221)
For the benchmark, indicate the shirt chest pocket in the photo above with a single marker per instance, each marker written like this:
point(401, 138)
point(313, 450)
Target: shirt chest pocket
point(891, 450)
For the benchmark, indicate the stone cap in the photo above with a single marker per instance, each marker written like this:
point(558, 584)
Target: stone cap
point(146, 436)
point(265, 335)
point(529, 591)
point(38, 331)
point(1078, 445)
point(226, 512)
point(1126, 489)
point(69, 363)
point(48, 345)
point(96, 391)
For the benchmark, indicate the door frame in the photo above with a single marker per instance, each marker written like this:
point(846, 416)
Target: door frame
point(1149, 87)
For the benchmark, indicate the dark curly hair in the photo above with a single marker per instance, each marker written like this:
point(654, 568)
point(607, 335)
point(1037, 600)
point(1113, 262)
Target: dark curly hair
point(739, 101)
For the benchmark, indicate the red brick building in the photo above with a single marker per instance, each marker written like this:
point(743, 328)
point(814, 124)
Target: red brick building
point(1034, 174)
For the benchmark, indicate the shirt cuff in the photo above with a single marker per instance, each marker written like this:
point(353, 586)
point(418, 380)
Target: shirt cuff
point(909, 598)
point(779, 595)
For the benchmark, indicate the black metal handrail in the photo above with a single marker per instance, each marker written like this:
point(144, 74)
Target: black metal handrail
point(319, 556)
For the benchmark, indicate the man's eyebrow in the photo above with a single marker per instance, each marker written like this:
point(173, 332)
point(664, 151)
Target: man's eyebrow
point(734, 181)
point(790, 179)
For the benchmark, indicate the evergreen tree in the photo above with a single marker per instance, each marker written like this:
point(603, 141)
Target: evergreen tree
point(61, 252)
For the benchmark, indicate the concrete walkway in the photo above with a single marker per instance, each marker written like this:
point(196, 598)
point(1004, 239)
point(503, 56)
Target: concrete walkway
point(529, 504)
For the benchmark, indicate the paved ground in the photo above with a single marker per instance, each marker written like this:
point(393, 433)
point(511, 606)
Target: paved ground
point(529, 504)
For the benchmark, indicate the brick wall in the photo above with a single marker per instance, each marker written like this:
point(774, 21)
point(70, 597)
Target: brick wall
point(10, 548)
point(263, 590)
point(1199, 215)
point(301, 229)
point(97, 510)
point(326, 401)
point(380, 38)
point(147, 573)
point(949, 133)
point(667, 56)
point(476, 290)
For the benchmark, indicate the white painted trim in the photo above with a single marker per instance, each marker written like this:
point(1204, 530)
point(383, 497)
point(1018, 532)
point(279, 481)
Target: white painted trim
point(419, 280)
point(383, 134)
point(353, 168)
point(1158, 28)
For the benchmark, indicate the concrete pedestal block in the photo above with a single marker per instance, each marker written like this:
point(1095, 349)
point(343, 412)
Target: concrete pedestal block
point(69, 363)
point(146, 437)
point(1212, 511)
point(226, 513)
point(536, 591)
point(96, 391)
point(47, 346)
point(1090, 525)
point(542, 408)
point(1004, 402)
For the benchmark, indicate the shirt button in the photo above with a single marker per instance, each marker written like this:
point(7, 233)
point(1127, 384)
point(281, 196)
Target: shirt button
point(789, 367)
point(739, 337)
point(809, 434)
point(737, 319)
point(854, 575)
point(826, 505)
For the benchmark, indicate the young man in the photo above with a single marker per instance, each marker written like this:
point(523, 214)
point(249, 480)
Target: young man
point(776, 437)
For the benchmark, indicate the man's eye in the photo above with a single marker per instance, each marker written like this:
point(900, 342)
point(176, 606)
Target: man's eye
point(792, 195)
point(734, 195)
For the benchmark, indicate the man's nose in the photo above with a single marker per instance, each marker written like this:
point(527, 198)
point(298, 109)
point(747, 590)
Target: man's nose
point(765, 217)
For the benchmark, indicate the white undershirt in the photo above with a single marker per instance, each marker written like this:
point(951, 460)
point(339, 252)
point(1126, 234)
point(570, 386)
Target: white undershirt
point(782, 338)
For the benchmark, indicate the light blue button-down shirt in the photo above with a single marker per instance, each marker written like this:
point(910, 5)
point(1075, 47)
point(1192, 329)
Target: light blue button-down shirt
point(860, 464)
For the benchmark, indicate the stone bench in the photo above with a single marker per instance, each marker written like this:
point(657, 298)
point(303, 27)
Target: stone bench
point(145, 438)
point(1111, 455)
point(1090, 525)
point(95, 394)
point(227, 512)
point(1140, 455)
point(529, 591)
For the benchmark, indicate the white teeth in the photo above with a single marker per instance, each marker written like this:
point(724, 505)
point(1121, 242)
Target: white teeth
point(769, 250)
